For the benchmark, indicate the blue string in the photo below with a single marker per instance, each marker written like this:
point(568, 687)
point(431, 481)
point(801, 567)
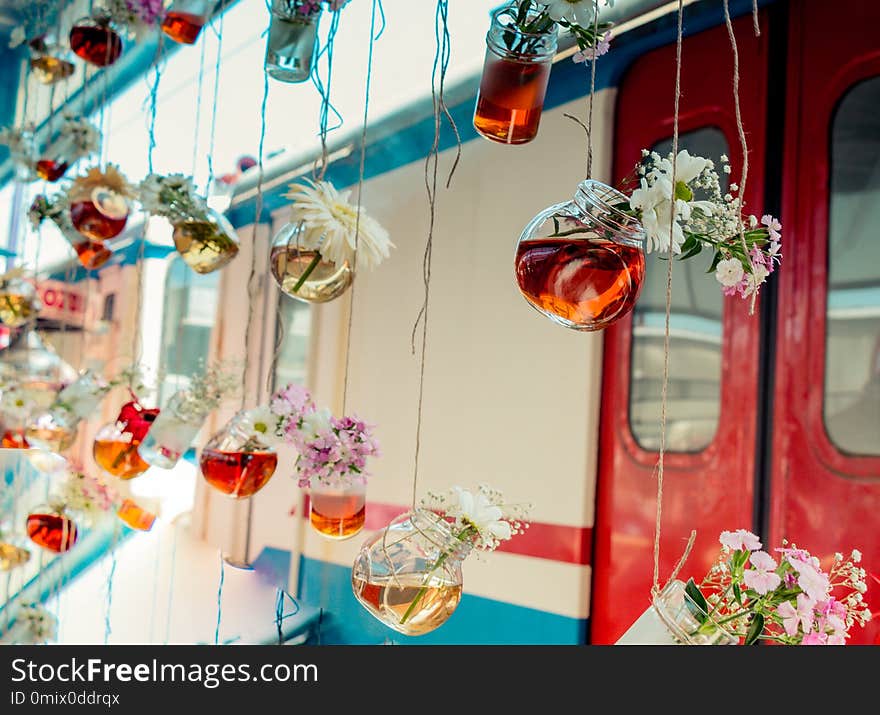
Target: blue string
point(158, 537)
point(217, 64)
point(280, 616)
point(107, 627)
point(195, 154)
point(323, 87)
point(171, 585)
point(219, 600)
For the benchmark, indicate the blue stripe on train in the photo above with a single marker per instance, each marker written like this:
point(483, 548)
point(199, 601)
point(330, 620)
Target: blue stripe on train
point(477, 620)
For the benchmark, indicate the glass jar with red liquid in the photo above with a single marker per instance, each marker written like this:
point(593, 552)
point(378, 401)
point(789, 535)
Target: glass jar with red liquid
point(582, 263)
point(98, 212)
point(116, 445)
point(514, 81)
point(185, 18)
point(50, 528)
point(95, 40)
point(58, 158)
point(338, 511)
point(236, 461)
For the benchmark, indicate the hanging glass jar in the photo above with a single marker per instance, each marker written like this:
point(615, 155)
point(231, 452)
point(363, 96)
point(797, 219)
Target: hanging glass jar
point(173, 431)
point(96, 40)
point(12, 556)
point(674, 618)
point(338, 512)
point(14, 438)
point(514, 81)
point(184, 20)
point(409, 574)
point(34, 369)
point(206, 243)
point(47, 61)
point(90, 252)
point(99, 203)
point(19, 304)
point(134, 516)
point(582, 263)
point(76, 139)
point(293, 36)
point(236, 461)
point(116, 445)
point(50, 528)
point(305, 274)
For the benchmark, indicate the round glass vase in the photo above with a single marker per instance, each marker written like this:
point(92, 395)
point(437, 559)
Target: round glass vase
point(95, 40)
point(51, 529)
point(52, 431)
point(48, 63)
point(98, 213)
point(514, 80)
point(581, 263)
point(57, 158)
point(674, 618)
point(185, 19)
point(206, 243)
point(235, 462)
point(293, 36)
point(338, 512)
point(115, 448)
point(305, 274)
point(19, 304)
point(90, 252)
point(173, 431)
point(409, 574)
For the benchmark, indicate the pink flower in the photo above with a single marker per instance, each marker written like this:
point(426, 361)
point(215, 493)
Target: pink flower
point(762, 577)
point(815, 638)
point(836, 639)
point(812, 581)
point(588, 54)
point(740, 540)
point(773, 227)
point(792, 617)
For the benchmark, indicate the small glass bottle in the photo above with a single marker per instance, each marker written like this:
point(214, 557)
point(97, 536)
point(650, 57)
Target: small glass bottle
point(338, 512)
point(409, 574)
point(235, 462)
point(293, 35)
point(98, 212)
point(19, 304)
point(305, 274)
point(582, 263)
point(95, 40)
point(116, 445)
point(50, 528)
point(47, 61)
point(184, 20)
point(206, 243)
point(173, 431)
point(35, 369)
point(134, 516)
point(90, 252)
point(514, 81)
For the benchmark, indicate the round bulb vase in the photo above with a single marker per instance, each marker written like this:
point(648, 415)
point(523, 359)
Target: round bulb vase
point(237, 463)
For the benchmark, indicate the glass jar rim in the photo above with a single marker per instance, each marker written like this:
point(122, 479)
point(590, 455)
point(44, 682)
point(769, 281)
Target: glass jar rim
point(601, 197)
point(496, 26)
point(423, 518)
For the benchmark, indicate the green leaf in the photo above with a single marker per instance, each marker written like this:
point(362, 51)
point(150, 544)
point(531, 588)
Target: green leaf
point(692, 252)
point(756, 628)
point(697, 604)
point(689, 243)
point(737, 594)
point(714, 264)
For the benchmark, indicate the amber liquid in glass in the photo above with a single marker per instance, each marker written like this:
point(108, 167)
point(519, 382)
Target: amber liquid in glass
point(15, 309)
point(54, 532)
point(121, 459)
point(92, 223)
point(390, 599)
point(49, 170)
point(57, 439)
point(92, 254)
point(203, 246)
point(238, 474)
point(49, 69)
point(14, 439)
point(182, 27)
point(96, 44)
point(511, 99)
point(337, 516)
point(135, 517)
point(325, 282)
point(585, 282)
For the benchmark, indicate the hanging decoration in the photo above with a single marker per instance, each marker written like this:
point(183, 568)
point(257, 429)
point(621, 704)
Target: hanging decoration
point(520, 47)
point(19, 304)
point(182, 418)
point(11, 554)
point(91, 253)
point(16, 407)
point(184, 20)
point(48, 61)
point(76, 140)
point(409, 574)
point(293, 37)
point(313, 255)
point(240, 459)
point(135, 516)
point(204, 238)
point(750, 596)
point(97, 38)
point(22, 150)
point(99, 203)
point(34, 625)
point(34, 370)
point(116, 445)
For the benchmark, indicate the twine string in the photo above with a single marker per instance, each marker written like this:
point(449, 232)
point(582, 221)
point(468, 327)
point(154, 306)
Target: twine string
point(217, 64)
point(592, 92)
point(220, 599)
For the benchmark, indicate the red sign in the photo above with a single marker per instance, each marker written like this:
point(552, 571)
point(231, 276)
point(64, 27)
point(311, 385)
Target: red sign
point(61, 302)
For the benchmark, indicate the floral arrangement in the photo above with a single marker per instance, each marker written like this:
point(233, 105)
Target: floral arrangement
point(39, 625)
point(308, 9)
point(20, 141)
point(578, 17)
point(206, 390)
point(85, 496)
point(111, 178)
point(789, 599)
point(745, 251)
point(332, 451)
point(329, 225)
point(84, 136)
point(54, 208)
point(173, 197)
point(134, 15)
point(16, 404)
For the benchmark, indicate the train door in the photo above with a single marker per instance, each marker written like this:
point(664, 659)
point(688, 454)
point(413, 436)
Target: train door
point(824, 489)
point(709, 476)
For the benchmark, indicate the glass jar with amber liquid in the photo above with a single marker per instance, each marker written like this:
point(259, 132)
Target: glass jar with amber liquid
point(206, 243)
point(581, 263)
point(95, 40)
point(19, 304)
point(47, 61)
point(98, 213)
point(116, 445)
point(409, 574)
point(305, 274)
point(184, 20)
point(237, 463)
point(514, 80)
point(50, 528)
point(338, 511)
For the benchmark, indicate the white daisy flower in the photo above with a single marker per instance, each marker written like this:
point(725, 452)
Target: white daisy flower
point(577, 12)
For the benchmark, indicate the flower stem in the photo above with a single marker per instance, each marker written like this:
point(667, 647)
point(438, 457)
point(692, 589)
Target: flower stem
point(307, 272)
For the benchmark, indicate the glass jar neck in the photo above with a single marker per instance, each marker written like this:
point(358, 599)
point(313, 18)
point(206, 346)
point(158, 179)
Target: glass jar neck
point(508, 40)
point(290, 10)
point(439, 534)
point(607, 207)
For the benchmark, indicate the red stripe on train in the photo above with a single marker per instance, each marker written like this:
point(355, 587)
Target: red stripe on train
point(555, 542)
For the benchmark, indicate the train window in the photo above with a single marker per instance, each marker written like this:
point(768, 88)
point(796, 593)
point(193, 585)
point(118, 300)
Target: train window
point(294, 329)
point(852, 341)
point(694, 393)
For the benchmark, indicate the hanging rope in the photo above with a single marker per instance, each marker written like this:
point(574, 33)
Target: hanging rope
point(216, 94)
point(220, 599)
point(323, 88)
point(107, 627)
point(592, 92)
point(438, 79)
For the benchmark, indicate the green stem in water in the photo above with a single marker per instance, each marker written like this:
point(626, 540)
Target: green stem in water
point(307, 272)
point(120, 458)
